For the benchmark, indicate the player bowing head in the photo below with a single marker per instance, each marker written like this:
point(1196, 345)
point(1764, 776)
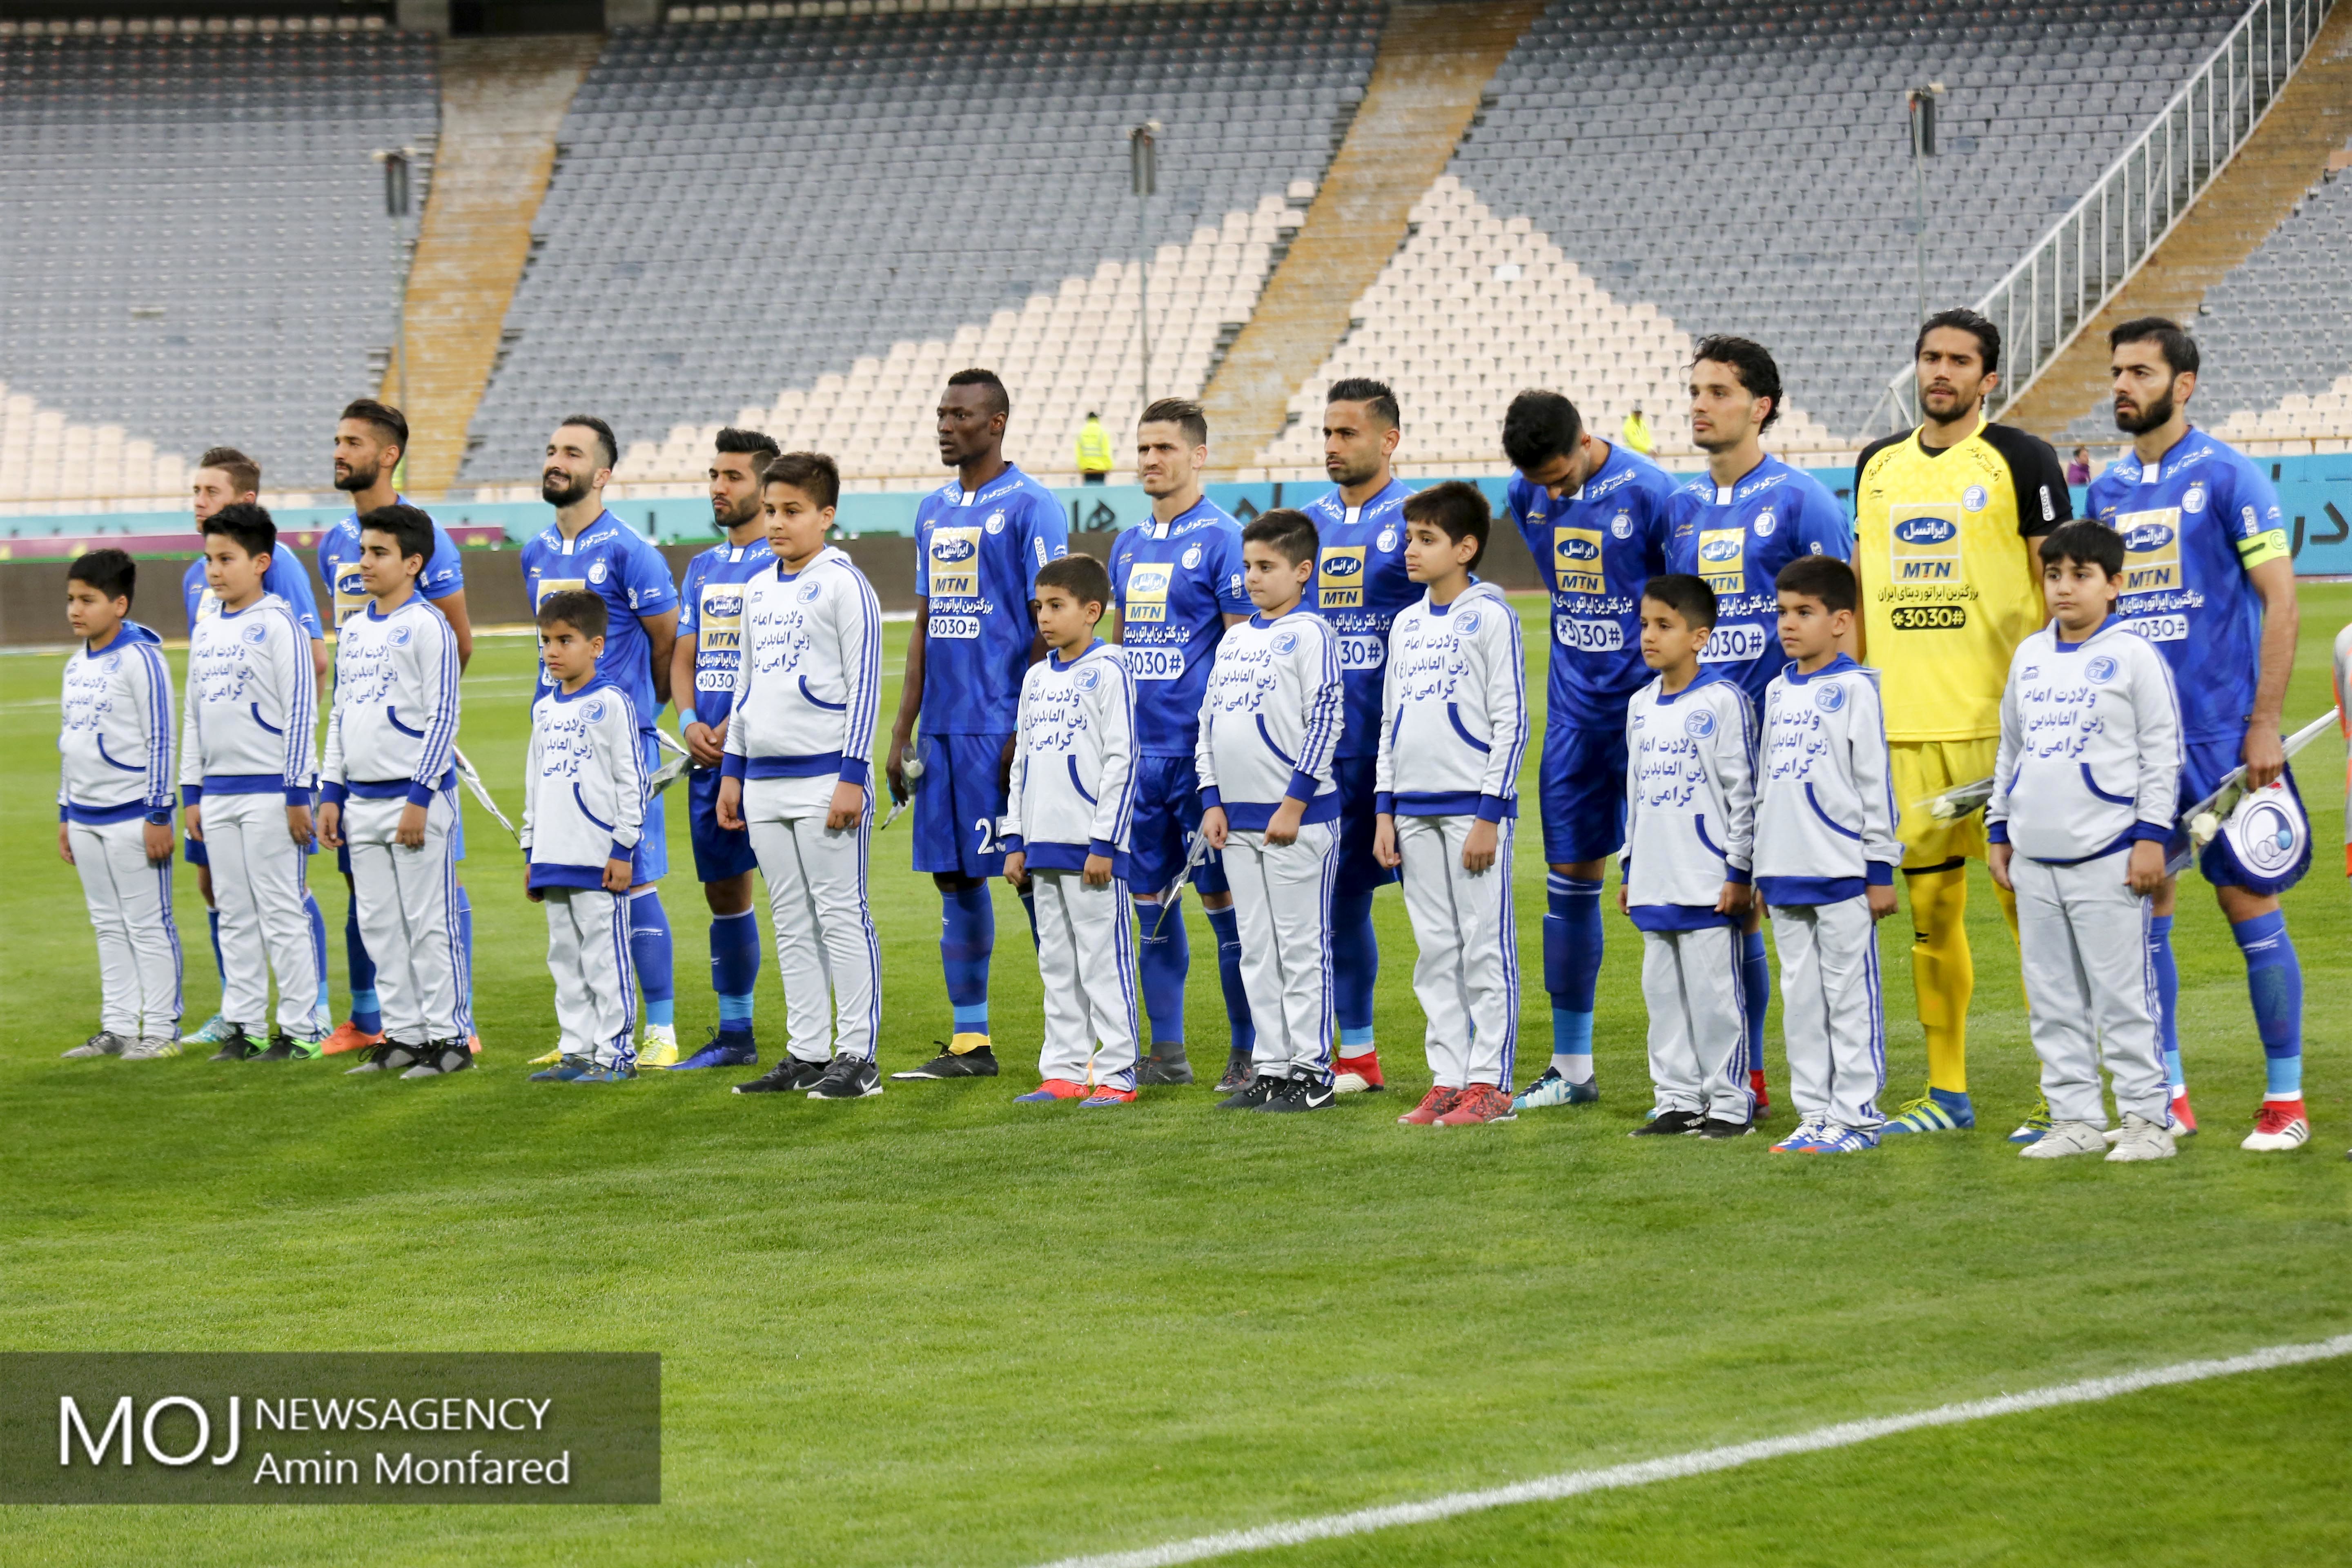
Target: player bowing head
point(1596, 519)
point(1360, 584)
point(1177, 584)
point(1736, 526)
point(979, 541)
point(702, 679)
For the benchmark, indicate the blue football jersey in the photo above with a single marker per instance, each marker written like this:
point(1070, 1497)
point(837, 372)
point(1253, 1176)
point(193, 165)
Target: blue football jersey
point(285, 578)
point(625, 571)
point(1174, 583)
point(339, 566)
point(1359, 586)
point(1738, 537)
point(711, 611)
point(976, 561)
point(2193, 526)
point(1594, 550)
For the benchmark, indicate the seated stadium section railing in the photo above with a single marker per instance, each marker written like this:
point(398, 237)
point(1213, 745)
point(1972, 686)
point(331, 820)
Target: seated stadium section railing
point(2072, 271)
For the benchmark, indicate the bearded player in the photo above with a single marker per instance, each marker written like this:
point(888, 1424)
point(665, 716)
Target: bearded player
point(1360, 583)
point(1948, 518)
point(2208, 578)
point(702, 683)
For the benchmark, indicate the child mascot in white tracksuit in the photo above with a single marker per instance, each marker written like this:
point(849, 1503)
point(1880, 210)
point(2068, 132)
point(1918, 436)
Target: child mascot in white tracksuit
point(1454, 728)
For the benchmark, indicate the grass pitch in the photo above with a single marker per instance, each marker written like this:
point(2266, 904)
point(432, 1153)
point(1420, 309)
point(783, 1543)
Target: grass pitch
point(938, 1328)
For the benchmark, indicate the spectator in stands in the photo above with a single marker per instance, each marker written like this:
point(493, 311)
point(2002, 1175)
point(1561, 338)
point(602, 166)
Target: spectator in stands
point(1636, 432)
point(1094, 451)
point(2078, 469)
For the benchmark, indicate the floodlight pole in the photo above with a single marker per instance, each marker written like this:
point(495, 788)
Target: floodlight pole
point(1919, 104)
point(1143, 165)
point(396, 162)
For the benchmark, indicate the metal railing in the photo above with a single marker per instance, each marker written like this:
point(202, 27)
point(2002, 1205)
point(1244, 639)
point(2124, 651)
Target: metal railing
point(2076, 267)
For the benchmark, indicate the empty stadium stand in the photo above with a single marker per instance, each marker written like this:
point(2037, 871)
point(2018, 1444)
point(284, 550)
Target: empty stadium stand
point(192, 245)
point(745, 209)
point(1738, 168)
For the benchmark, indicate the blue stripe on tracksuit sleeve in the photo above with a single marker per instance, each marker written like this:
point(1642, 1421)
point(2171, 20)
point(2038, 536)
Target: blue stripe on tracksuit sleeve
point(628, 775)
point(159, 728)
point(1321, 737)
point(1119, 750)
point(441, 732)
point(1505, 775)
point(302, 708)
point(866, 677)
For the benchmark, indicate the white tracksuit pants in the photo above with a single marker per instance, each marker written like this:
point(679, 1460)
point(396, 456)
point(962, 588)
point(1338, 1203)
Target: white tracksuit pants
point(2083, 936)
point(1832, 1015)
point(1085, 959)
point(405, 898)
point(1282, 903)
point(826, 951)
point(265, 924)
point(595, 983)
point(129, 901)
point(1698, 1023)
point(1467, 975)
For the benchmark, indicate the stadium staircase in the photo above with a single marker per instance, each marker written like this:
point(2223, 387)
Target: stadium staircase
point(1433, 65)
point(502, 100)
point(2283, 159)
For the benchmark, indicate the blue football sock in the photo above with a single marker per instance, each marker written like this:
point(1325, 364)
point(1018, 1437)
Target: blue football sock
point(1755, 993)
point(366, 1010)
point(211, 925)
point(649, 952)
point(735, 968)
point(1161, 968)
point(1572, 946)
point(2168, 996)
point(1029, 908)
point(967, 936)
point(1227, 926)
point(319, 948)
point(2274, 982)
point(465, 907)
point(1355, 967)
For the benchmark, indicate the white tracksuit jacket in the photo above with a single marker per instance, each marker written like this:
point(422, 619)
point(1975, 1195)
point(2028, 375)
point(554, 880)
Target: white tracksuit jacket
point(394, 721)
point(584, 786)
point(2090, 747)
point(1270, 720)
point(1825, 808)
point(809, 683)
point(1690, 803)
point(1073, 791)
point(1454, 709)
point(115, 741)
point(251, 716)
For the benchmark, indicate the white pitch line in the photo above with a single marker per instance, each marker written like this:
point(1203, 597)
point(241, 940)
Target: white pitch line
point(1702, 1461)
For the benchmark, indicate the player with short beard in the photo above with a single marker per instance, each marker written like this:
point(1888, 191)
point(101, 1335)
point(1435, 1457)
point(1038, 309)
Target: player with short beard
point(371, 439)
point(1948, 524)
point(2208, 579)
point(588, 549)
point(702, 666)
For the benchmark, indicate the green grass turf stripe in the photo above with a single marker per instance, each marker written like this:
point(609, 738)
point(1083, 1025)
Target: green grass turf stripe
point(1706, 1461)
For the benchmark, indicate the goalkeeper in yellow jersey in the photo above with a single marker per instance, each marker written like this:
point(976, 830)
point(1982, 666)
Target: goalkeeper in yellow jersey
point(1946, 520)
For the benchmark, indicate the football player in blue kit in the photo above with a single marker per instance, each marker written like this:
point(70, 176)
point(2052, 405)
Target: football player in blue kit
point(224, 475)
point(2208, 578)
point(702, 681)
point(1737, 525)
point(979, 542)
point(587, 548)
point(1595, 517)
point(1359, 586)
point(1176, 585)
point(371, 439)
